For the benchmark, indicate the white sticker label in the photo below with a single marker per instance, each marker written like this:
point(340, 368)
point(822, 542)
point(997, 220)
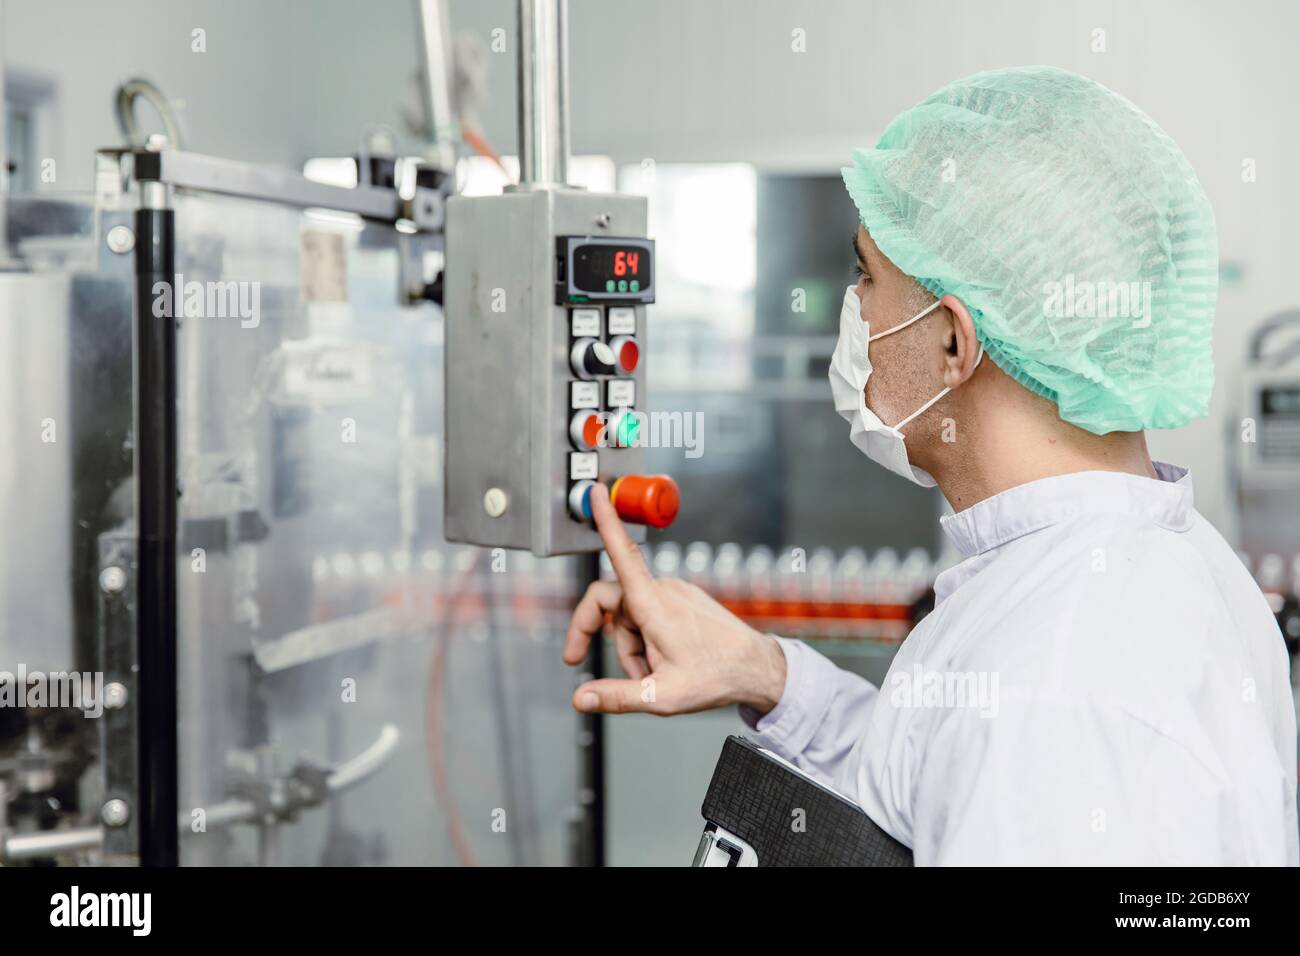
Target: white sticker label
point(622, 320)
point(324, 267)
point(621, 393)
point(584, 322)
point(583, 464)
point(325, 371)
point(584, 395)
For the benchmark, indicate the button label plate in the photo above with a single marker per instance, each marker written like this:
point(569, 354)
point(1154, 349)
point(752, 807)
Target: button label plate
point(585, 322)
point(584, 395)
point(622, 320)
point(621, 393)
point(583, 464)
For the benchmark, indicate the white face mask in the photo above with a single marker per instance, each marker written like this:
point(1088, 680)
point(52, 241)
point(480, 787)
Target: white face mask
point(850, 369)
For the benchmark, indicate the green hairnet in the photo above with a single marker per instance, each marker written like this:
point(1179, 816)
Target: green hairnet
point(1072, 228)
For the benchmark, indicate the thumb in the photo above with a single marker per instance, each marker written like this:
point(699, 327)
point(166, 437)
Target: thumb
point(614, 696)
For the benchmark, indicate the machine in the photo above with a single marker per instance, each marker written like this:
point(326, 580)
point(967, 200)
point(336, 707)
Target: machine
point(1266, 435)
point(243, 481)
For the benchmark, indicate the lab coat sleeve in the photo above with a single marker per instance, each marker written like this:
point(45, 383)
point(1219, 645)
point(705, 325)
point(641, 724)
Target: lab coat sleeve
point(822, 713)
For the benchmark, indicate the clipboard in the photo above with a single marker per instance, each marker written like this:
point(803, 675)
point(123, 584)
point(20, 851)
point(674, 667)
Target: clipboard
point(761, 810)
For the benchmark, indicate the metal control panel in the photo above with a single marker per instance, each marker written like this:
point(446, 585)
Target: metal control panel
point(545, 301)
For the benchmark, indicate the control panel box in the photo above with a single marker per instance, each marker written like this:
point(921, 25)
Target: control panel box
point(545, 303)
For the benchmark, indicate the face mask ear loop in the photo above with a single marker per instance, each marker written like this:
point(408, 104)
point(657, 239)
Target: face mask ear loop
point(902, 325)
point(899, 427)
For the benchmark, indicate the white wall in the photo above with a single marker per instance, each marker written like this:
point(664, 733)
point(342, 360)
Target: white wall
point(280, 80)
point(681, 80)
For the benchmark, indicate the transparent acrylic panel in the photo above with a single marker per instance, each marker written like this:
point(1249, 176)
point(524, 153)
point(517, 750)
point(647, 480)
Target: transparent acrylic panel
point(322, 616)
point(65, 488)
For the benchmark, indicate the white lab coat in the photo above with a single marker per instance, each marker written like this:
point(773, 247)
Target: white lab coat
point(1135, 705)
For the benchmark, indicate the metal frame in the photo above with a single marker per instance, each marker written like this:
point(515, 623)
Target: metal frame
point(228, 177)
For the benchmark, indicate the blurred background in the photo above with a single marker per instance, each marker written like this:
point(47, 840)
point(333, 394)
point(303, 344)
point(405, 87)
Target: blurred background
point(733, 119)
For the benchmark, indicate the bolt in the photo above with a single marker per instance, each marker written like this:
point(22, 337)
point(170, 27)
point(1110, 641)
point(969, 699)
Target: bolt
point(603, 220)
point(112, 579)
point(495, 502)
point(115, 813)
point(121, 239)
point(115, 695)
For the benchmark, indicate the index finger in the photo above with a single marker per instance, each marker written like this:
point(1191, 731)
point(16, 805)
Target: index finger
point(624, 554)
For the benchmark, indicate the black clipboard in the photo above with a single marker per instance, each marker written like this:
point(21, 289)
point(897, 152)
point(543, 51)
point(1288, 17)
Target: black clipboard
point(760, 811)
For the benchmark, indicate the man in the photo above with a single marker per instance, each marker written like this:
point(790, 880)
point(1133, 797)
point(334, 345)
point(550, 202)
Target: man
point(1037, 275)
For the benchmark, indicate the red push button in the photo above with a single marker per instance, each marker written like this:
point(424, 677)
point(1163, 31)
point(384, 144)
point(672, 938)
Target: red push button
point(584, 430)
point(646, 499)
point(627, 352)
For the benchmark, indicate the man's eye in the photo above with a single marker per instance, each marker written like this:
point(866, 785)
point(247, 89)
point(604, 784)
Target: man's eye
point(859, 273)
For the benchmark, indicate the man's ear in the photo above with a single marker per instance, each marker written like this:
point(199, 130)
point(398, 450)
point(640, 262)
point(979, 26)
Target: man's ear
point(962, 345)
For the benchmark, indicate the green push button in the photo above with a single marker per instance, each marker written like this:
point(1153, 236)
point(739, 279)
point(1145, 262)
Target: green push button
point(629, 430)
point(634, 285)
point(622, 285)
point(609, 285)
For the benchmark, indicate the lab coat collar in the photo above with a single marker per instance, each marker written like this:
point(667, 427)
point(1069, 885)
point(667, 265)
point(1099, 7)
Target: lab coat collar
point(1030, 507)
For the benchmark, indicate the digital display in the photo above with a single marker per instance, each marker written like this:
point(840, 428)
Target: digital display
point(1276, 400)
point(595, 268)
point(611, 268)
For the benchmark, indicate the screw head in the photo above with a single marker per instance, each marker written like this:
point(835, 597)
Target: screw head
point(115, 813)
point(495, 502)
point(603, 220)
point(121, 239)
point(115, 695)
point(112, 579)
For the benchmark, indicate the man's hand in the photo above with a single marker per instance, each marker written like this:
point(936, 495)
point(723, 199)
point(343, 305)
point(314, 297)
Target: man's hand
point(682, 650)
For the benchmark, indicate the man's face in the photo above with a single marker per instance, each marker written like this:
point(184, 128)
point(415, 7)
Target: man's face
point(907, 368)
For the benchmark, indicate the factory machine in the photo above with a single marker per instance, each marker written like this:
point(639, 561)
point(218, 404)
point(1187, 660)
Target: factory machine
point(1266, 435)
point(263, 432)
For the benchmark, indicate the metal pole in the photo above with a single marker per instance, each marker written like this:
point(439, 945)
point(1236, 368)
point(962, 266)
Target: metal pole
point(155, 478)
point(436, 54)
point(543, 93)
point(7, 263)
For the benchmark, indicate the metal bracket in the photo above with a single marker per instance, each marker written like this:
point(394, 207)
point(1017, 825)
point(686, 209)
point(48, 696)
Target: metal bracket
point(119, 743)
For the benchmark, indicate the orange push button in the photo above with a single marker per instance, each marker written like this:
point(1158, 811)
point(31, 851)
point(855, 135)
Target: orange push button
point(585, 430)
point(646, 499)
